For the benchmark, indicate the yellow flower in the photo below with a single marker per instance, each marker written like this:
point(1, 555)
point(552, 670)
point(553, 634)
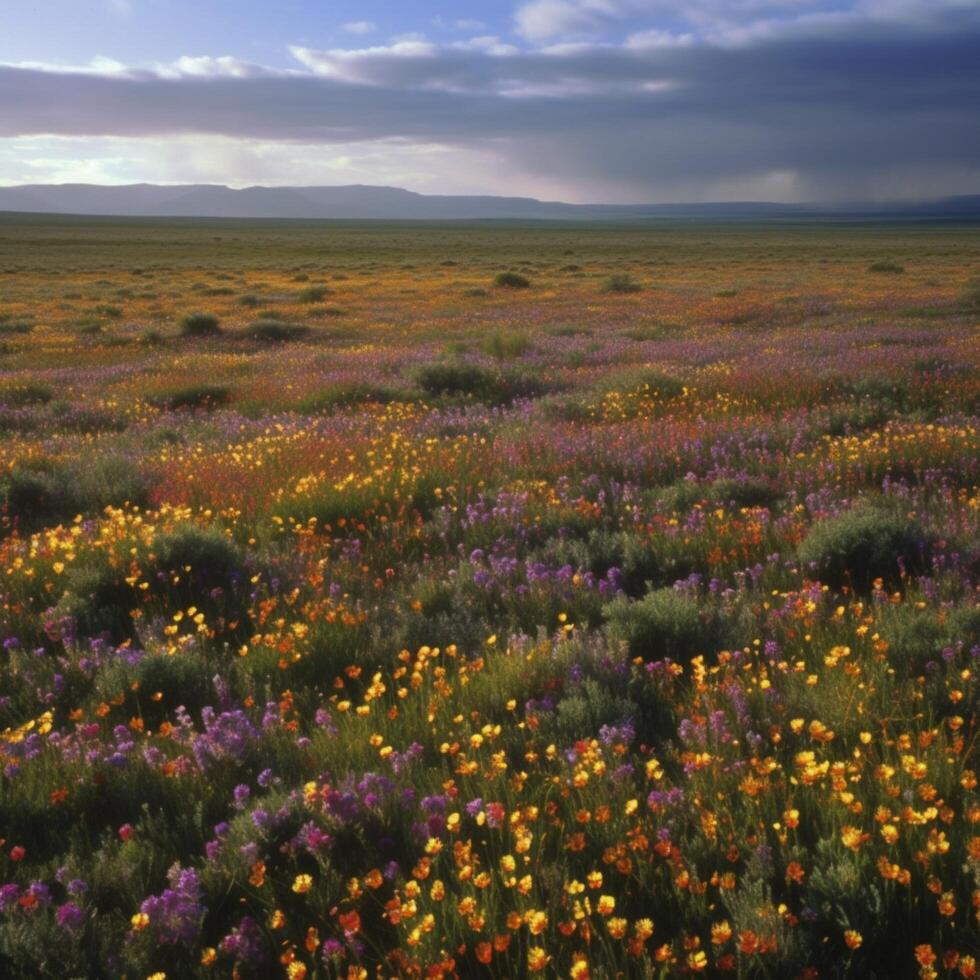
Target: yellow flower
point(537, 922)
point(537, 959)
point(697, 961)
point(139, 921)
point(296, 970)
point(644, 928)
point(606, 905)
point(853, 938)
point(302, 884)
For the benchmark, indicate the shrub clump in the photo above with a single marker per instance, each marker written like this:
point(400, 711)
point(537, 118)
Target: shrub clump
point(511, 280)
point(200, 325)
point(275, 331)
point(863, 544)
point(313, 294)
point(193, 396)
point(31, 393)
point(459, 379)
point(891, 268)
point(506, 344)
point(621, 283)
point(666, 623)
point(347, 394)
point(189, 566)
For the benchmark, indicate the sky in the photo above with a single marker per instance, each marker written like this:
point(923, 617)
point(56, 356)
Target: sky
point(613, 101)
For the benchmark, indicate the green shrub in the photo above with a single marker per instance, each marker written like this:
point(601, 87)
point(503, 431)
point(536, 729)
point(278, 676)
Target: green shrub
point(31, 393)
point(275, 331)
point(458, 379)
point(863, 544)
point(187, 567)
point(748, 492)
point(665, 623)
point(99, 601)
point(511, 280)
point(621, 283)
point(202, 567)
point(193, 396)
point(346, 395)
point(200, 325)
point(42, 495)
point(506, 344)
point(663, 386)
point(455, 378)
point(893, 268)
point(313, 294)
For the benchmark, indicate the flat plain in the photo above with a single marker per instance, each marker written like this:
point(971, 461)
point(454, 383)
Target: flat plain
point(484, 600)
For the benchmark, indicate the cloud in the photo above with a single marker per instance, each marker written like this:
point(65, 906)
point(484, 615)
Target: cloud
point(877, 101)
point(360, 27)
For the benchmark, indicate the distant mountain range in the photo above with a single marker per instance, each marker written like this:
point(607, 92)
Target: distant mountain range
point(358, 202)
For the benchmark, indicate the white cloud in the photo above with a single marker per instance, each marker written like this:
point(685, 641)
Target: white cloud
point(360, 27)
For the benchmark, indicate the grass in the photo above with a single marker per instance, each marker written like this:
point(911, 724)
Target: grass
point(487, 631)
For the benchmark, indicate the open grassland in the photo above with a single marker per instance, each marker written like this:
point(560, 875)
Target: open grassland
point(485, 601)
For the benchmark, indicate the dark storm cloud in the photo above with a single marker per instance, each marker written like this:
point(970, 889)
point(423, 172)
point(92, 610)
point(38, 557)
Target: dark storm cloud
point(838, 101)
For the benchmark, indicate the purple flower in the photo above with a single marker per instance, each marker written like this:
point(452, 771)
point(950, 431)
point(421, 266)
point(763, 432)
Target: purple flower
point(70, 917)
point(176, 913)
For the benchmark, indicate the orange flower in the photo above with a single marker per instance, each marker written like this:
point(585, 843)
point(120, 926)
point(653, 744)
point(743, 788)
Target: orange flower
point(853, 938)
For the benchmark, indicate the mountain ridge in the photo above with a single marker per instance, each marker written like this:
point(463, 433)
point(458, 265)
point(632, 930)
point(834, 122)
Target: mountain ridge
point(380, 202)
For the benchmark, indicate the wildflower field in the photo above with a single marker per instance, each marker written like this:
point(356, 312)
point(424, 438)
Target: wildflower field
point(484, 601)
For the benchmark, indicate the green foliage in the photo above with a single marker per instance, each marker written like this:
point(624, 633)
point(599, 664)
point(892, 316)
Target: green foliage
point(506, 345)
point(200, 325)
point(621, 282)
point(461, 379)
point(275, 331)
point(42, 494)
point(193, 396)
point(30, 393)
point(313, 294)
point(862, 544)
point(348, 394)
point(511, 280)
point(666, 623)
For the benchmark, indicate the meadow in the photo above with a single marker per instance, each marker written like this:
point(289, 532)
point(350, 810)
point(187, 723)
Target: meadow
point(488, 601)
